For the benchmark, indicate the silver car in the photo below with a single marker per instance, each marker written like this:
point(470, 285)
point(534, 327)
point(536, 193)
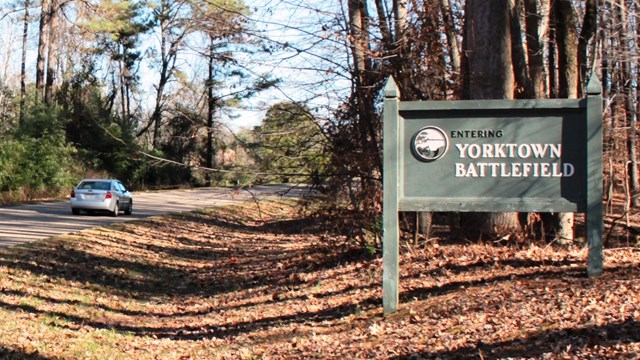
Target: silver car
point(101, 195)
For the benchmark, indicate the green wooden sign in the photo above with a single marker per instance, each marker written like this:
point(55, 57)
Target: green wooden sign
point(491, 156)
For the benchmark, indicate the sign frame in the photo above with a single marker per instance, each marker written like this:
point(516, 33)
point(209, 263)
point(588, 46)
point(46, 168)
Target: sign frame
point(401, 150)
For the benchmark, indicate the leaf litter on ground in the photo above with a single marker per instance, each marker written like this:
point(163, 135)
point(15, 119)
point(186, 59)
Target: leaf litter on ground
point(225, 283)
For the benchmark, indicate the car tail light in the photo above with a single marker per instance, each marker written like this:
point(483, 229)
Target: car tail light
point(73, 193)
point(108, 195)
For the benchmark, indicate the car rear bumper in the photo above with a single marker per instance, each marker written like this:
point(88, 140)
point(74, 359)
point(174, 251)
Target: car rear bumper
point(106, 205)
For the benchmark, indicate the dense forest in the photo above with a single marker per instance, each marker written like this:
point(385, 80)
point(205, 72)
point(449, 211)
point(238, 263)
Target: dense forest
point(156, 93)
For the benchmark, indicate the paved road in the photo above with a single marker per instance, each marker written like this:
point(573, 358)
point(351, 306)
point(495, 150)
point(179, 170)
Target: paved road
point(26, 223)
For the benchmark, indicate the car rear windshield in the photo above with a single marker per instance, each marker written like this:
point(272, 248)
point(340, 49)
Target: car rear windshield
point(95, 185)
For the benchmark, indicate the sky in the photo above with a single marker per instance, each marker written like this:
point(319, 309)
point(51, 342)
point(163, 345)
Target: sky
point(295, 22)
point(306, 76)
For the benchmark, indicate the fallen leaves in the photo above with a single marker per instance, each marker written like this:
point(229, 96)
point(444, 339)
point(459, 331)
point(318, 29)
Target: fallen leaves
point(222, 284)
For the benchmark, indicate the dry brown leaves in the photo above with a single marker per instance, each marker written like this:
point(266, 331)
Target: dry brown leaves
point(228, 284)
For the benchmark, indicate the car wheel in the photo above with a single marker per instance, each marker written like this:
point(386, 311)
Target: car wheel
point(116, 210)
point(129, 209)
point(75, 211)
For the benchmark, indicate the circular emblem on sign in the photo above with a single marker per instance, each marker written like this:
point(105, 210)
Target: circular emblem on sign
point(429, 144)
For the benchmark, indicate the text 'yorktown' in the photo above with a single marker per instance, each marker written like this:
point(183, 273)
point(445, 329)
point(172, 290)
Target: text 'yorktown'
point(512, 169)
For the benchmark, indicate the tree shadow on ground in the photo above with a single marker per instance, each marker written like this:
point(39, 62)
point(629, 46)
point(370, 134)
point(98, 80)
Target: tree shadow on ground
point(14, 354)
point(235, 256)
point(105, 263)
point(238, 263)
point(538, 345)
point(542, 343)
point(424, 293)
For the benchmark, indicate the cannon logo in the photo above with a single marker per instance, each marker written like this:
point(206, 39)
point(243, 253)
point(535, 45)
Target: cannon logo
point(429, 144)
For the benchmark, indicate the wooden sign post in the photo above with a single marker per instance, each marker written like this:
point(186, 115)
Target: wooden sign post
point(491, 156)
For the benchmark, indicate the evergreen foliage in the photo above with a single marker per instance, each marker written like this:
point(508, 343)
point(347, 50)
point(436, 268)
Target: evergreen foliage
point(105, 143)
point(290, 146)
point(35, 158)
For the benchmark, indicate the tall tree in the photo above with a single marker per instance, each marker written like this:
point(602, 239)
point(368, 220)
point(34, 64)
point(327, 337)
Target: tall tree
point(588, 32)
point(566, 26)
point(52, 52)
point(44, 39)
point(487, 50)
point(534, 46)
point(366, 117)
point(629, 92)
point(211, 108)
point(117, 28)
point(290, 145)
point(220, 26)
point(172, 20)
point(488, 74)
point(452, 35)
point(633, 106)
point(570, 48)
point(23, 62)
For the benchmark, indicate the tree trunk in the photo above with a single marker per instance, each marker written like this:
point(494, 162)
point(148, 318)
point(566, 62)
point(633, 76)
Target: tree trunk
point(567, 40)
point(487, 62)
point(482, 226)
point(519, 54)
point(424, 223)
point(400, 12)
point(553, 56)
point(568, 83)
point(171, 38)
point(566, 228)
point(535, 54)
point(487, 42)
point(635, 184)
point(361, 52)
point(630, 90)
point(23, 62)
point(589, 28)
point(452, 35)
point(358, 26)
point(51, 53)
point(211, 103)
point(537, 86)
point(156, 116)
point(121, 86)
point(43, 43)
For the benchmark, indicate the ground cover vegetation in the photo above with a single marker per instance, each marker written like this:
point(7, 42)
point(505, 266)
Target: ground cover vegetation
point(238, 283)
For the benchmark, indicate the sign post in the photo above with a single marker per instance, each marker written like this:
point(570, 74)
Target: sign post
point(491, 156)
point(594, 215)
point(390, 246)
